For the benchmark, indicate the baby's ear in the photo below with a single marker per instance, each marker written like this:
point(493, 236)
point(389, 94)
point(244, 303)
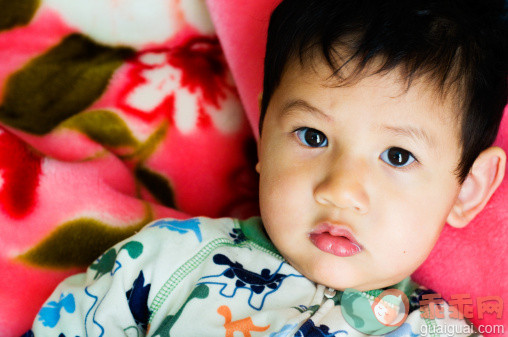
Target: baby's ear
point(481, 182)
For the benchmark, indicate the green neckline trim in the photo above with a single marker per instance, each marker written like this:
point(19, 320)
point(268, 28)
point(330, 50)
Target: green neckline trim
point(407, 286)
point(253, 230)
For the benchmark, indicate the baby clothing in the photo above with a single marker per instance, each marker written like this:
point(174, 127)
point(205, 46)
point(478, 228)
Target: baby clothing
point(217, 277)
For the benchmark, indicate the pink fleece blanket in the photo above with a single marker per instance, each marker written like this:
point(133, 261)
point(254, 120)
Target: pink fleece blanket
point(112, 115)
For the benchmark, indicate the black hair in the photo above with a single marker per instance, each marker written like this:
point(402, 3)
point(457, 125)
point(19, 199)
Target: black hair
point(460, 45)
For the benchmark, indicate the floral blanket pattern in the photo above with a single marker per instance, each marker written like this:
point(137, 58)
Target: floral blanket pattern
point(111, 115)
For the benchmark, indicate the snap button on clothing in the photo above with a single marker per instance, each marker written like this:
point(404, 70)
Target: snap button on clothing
point(330, 293)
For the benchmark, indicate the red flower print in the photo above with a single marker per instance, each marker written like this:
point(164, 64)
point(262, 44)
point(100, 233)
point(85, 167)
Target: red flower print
point(19, 176)
point(193, 77)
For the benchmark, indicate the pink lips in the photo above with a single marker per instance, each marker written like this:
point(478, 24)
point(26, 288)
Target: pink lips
point(335, 240)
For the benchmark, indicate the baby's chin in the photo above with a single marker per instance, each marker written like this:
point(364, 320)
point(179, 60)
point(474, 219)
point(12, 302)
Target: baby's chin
point(341, 273)
point(343, 281)
point(325, 279)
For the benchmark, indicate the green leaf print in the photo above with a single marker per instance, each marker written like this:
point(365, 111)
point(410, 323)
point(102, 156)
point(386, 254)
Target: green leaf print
point(59, 83)
point(157, 185)
point(79, 242)
point(102, 126)
point(17, 13)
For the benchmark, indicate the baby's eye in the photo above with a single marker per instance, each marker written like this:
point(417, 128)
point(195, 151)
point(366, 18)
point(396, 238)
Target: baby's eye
point(395, 156)
point(311, 137)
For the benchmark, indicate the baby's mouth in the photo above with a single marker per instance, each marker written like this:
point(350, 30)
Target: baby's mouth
point(335, 240)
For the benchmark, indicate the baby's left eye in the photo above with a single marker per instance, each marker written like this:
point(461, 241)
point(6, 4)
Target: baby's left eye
point(395, 156)
point(311, 137)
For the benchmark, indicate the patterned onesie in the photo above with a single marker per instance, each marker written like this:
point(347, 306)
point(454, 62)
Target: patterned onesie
point(212, 277)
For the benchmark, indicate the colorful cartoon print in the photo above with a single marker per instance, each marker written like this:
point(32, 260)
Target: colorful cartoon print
point(49, 315)
point(200, 292)
point(284, 332)
point(238, 236)
point(182, 227)
point(107, 261)
point(309, 329)
point(137, 297)
point(87, 316)
point(244, 325)
point(235, 277)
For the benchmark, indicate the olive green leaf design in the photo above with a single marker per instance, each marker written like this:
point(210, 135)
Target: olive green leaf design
point(17, 13)
point(59, 83)
point(102, 126)
point(108, 129)
point(79, 242)
point(157, 185)
point(145, 149)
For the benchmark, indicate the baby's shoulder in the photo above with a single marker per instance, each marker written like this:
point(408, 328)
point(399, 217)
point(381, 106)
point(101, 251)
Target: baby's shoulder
point(187, 231)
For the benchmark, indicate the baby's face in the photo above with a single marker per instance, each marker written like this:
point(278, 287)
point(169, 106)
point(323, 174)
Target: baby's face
point(356, 182)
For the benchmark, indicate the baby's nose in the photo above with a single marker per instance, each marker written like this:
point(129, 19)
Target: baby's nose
point(343, 186)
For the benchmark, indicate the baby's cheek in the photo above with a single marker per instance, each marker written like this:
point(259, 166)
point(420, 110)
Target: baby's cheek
point(400, 253)
point(419, 225)
point(413, 251)
point(287, 189)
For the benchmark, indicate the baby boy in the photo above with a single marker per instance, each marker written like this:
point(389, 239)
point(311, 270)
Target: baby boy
point(377, 124)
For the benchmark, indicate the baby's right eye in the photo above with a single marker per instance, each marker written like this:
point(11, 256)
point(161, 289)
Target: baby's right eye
point(311, 137)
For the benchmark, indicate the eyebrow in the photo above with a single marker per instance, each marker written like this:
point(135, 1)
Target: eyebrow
point(299, 105)
point(407, 131)
point(411, 132)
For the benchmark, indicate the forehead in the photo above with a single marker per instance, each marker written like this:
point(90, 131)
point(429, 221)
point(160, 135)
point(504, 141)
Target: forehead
point(380, 104)
point(317, 81)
